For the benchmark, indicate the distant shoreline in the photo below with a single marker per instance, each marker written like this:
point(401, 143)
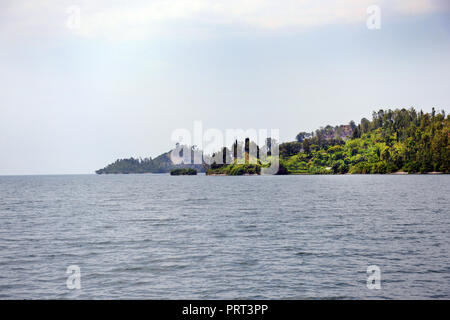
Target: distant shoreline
point(401, 141)
point(399, 173)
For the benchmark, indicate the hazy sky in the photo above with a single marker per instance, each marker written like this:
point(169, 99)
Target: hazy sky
point(76, 94)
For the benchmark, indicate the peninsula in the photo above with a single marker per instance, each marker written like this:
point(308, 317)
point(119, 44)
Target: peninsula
point(394, 141)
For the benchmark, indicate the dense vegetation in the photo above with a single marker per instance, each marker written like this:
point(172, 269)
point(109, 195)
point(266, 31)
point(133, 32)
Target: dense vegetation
point(241, 161)
point(235, 169)
point(183, 172)
point(394, 140)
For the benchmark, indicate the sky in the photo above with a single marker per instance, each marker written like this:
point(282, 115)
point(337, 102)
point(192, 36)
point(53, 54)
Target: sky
point(84, 83)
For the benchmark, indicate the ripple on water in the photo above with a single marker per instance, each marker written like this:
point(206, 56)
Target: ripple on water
point(297, 237)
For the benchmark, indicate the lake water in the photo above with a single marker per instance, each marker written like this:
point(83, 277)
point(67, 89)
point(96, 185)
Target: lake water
point(200, 237)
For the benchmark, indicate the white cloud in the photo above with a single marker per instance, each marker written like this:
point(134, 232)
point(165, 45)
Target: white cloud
point(137, 19)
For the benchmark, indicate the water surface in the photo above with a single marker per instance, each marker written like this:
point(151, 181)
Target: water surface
point(199, 237)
